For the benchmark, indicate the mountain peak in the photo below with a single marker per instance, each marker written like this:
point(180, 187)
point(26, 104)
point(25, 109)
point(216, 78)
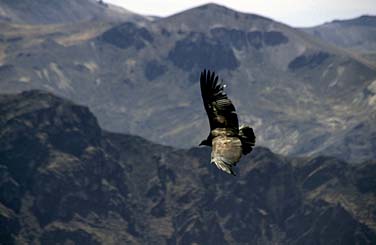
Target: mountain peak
point(212, 14)
point(213, 7)
point(220, 9)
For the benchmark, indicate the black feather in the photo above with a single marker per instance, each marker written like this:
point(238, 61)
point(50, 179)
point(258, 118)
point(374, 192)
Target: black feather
point(221, 112)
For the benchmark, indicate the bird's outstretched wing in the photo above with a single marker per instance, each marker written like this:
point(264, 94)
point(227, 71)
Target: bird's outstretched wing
point(218, 106)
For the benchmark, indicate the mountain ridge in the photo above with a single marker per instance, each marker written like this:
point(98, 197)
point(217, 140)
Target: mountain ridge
point(299, 94)
point(80, 184)
point(360, 20)
point(358, 35)
point(54, 12)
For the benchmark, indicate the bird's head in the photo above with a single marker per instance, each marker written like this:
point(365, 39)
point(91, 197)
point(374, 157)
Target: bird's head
point(205, 142)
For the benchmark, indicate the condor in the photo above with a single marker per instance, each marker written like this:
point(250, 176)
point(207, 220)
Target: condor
point(228, 141)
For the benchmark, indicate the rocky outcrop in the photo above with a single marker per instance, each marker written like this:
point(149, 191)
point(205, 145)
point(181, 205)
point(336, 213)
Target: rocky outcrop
point(64, 180)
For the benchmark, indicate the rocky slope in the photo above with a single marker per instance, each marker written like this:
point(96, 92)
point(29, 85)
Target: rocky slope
point(301, 96)
point(64, 180)
point(357, 35)
point(58, 12)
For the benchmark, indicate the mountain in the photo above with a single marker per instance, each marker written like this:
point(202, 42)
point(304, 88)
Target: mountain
point(65, 180)
point(301, 96)
point(358, 34)
point(58, 12)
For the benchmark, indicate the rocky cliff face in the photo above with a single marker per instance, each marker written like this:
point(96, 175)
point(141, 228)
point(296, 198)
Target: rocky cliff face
point(300, 95)
point(64, 180)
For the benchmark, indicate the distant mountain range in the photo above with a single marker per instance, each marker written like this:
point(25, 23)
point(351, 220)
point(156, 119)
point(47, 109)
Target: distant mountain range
point(63, 180)
point(303, 96)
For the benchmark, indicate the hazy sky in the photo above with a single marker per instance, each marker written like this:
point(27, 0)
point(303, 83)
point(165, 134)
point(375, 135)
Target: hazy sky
point(292, 12)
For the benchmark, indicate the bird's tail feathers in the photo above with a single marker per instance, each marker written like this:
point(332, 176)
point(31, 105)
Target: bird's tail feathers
point(223, 164)
point(248, 138)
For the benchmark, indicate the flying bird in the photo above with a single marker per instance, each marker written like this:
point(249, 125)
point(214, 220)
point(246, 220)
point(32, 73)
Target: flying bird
point(228, 141)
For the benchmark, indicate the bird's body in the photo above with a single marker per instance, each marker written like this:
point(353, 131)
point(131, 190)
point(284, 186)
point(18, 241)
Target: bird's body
point(228, 141)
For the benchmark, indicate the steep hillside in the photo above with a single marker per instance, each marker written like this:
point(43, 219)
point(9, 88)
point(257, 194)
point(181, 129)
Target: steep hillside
point(58, 12)
point(64, 180)
point(300, 95)
point(358, 34)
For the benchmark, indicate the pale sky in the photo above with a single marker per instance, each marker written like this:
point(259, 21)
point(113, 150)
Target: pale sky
point(296, 13)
